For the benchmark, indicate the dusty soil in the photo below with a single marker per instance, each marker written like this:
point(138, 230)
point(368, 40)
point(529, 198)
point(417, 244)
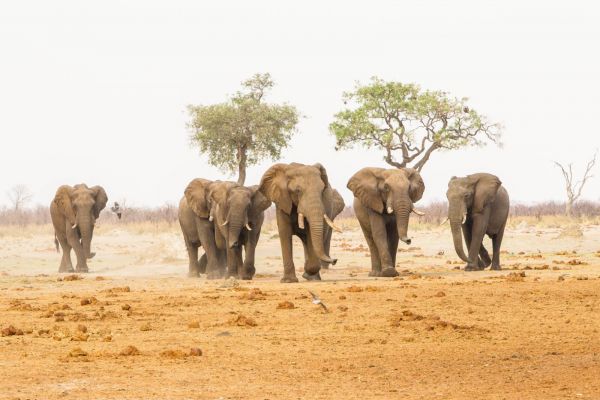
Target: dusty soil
point(138, 328)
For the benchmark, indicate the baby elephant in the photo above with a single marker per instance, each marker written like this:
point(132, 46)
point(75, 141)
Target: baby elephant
point(74, 211)
point(479, 205)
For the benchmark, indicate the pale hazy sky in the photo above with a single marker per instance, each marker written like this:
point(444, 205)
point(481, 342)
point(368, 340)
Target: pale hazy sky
point(103, 85)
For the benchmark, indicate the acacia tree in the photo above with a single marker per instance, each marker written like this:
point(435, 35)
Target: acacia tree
point(243, 130)
point(574, 189)
point(408, 123)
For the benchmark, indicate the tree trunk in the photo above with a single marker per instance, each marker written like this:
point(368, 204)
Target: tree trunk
point(242, 166)
point(569, 208)
point(421, 163)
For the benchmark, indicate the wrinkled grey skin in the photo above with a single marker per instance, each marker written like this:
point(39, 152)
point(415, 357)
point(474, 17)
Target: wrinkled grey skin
point(383, 201)
point(74, 211)
point(478, 204)
point(235, 208)
point(302, 189)
point(198, 230)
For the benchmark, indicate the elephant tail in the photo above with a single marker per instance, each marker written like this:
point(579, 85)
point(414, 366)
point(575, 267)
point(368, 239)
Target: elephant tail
point(56, 243)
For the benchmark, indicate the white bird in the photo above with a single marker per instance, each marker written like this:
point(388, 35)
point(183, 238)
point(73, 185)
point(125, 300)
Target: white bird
point(317, 300)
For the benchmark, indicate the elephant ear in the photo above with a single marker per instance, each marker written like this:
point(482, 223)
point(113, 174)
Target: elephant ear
point(273, 186)
point(259, 202)
point(417, 186)
point(100, 199)
point(323, 172)
point(63, 201)
point(338, 203)
point(364, 185)
point(195, 194)
point(486, 187)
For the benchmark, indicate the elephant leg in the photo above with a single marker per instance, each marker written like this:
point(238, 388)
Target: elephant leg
point(496, 243)
point(484, 257)
point(467, 228)
point(234, 261)
point(312, 263)
point(375, 262)
point(73, 241)
point(248, 268)
point(326, 244)
point(393, 240)
point(478, 228)
point(207, 238)
point(202, 263)
point(194, 266)
point(65, 263)
point(284, 228)
point(380, 237)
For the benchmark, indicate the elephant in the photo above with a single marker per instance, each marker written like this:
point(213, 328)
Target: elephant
point(238, 213)
point(383, 201)
point(197, 225)
point(74, 211)
point(304, 200)
point(478, 204)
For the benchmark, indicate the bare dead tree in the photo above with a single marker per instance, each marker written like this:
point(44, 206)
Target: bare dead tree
point(19, 196)
point(574, 188)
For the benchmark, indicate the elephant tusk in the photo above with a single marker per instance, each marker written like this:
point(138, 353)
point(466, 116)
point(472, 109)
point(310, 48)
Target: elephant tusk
point(445, 220)
point(211, 218)
point(390, 210)
point(74, 226)
point(331, 224)
point(224, 223)
point(248, 227)
point(419, 213)
point(300, 220)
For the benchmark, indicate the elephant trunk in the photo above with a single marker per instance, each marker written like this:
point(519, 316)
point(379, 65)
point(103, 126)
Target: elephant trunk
point(237, 220)
point(456, 219)
point(85, 224)
point(314, 215)
point(402, 209)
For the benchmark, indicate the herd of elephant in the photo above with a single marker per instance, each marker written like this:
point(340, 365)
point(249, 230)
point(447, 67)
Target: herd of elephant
point(225, 219)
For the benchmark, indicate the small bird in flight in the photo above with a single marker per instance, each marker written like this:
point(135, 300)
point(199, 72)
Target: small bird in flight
point(317, 300)
point(116, 209)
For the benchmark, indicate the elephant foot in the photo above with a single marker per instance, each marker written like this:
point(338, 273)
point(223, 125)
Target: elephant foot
point(313, 277)
point(214, 275)
point(65, 270)
point(92, 254)
point(82, 270)
point(470, 267)
point(289, 279)
point(202, 263)
point(496, 267)
point(389, 272)
point(248, 273)
point(193, 274)
point(484, 263)
point(375, 273)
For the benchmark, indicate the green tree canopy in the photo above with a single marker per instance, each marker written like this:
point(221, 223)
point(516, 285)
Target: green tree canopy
point(408, 123)
point(243, 130)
